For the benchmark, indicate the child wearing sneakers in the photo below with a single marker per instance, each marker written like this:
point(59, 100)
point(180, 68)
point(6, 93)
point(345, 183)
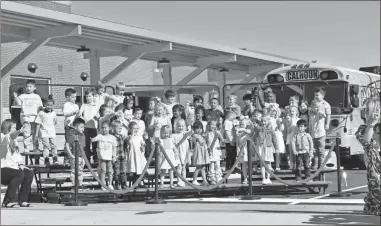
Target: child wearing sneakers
point(302, 147)
point(319, 120)
point(45, 128)
point(30, 104)
point(106, 150)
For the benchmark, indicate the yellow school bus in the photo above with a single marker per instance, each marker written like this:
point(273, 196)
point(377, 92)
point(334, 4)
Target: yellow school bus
point(347, 90)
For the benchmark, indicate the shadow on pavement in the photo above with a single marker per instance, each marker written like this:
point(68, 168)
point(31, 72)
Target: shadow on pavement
point(344, 219)
point(307, 211)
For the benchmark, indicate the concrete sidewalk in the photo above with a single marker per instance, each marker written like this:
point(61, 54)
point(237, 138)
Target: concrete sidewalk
point(187, 213)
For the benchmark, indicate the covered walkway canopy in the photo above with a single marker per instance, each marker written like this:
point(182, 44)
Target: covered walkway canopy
point(47, 27)
point(39, 26)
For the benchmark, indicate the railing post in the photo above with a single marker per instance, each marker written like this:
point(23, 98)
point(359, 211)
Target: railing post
point(338, 166)
point(76, 202)
point(250, 196)
point(156, 200)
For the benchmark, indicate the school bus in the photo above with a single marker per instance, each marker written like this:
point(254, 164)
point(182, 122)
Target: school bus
point(347, 90)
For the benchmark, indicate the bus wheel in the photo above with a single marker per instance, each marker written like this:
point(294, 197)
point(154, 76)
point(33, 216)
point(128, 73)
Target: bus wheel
point(361, 163)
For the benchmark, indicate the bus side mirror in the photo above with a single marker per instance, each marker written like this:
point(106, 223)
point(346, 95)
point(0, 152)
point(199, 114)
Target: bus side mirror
point(355, 102)
point(362, 113)
point(354, 89)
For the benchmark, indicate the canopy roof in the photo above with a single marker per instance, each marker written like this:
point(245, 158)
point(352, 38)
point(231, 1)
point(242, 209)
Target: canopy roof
point(20, 22)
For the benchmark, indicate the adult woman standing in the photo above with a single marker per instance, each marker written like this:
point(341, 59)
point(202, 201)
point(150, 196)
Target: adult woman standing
point(13, 173)
point(369, 136)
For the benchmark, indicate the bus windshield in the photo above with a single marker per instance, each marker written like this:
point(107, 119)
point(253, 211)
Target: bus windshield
point(336, 94)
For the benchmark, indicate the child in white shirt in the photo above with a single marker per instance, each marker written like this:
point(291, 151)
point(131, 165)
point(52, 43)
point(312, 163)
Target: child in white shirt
point(100, 97)
point(30, 104)
point(46, 121)
point(106, 149)
point(90, 113)
point(119, 97)
point(138, 112)
point(128, 111)
point(159, 120)
point(319, 122)
point(170, 97)
point(230, 139)
point(70, 110)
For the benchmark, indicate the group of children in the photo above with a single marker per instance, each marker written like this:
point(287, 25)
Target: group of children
point(112, 132)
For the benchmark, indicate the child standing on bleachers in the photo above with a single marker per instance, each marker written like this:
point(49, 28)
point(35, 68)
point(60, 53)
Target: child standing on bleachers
point(293, 101)
point(200, 157)
point(230, 139)
point(319, 120)
point(118, 97)
point(278, 127)
point(159, 120)
point(213, 141)
point(119, 115)
point(200, 116)
point(73, 134)
point(90, 113)
point(190, 109)
point(46, 121)
point(150, 113)
point(105, 115)
point(138, 112)
point(303, 111)
point(100, 97)
point(249, 108)
point(106, 149)
point(136, 160)
point(170, 149)
point(302, 146)
point(291, 129)
point(178, 111)
point(181, 139)
point(170, 97)
point(256, 118)
point(233, 106)
point(215, 95)
point(128, 111)
point(214, 111)
point(243, 134)
point(120, 164)
point(70, 110)
point(265, 143)
point(30, 103)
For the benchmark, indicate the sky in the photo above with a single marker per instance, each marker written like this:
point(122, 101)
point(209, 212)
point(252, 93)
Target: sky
point(342, 33)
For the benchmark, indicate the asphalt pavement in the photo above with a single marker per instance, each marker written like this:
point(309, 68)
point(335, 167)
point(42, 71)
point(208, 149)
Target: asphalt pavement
point(187, 214)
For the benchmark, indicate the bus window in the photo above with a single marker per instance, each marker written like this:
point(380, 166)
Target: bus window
point(284, 93)
point(335, 93)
